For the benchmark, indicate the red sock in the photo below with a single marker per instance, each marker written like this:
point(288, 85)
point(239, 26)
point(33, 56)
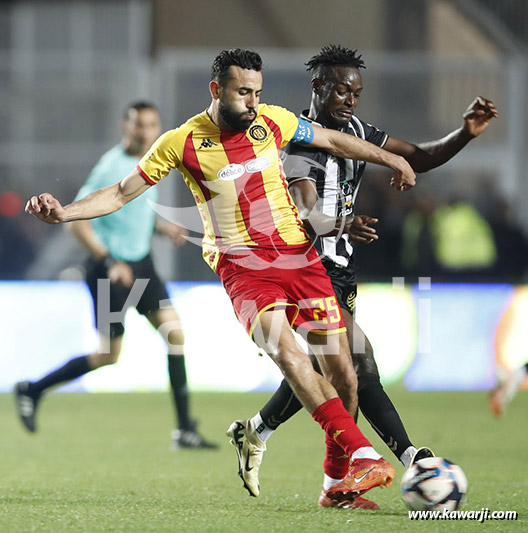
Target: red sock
point(337, 461)
point(339, 426)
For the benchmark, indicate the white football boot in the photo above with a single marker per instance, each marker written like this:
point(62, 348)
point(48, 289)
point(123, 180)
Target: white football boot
point(250, 449)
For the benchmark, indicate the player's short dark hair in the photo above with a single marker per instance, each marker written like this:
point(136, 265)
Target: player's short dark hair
point(138, 105)
point(237, 57)
point(333, 56)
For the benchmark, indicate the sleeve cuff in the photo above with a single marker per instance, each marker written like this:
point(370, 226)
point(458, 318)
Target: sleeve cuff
point(145, 176)
point(294, 180)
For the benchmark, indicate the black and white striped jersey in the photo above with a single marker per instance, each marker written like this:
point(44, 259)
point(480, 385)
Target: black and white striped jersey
point(337, 181)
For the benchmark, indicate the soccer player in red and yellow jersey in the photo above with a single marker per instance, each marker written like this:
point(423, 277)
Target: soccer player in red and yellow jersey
point(254, 240)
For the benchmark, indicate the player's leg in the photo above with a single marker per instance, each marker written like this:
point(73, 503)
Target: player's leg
point(28, 394)
point(109, 350)
point(337, 462)
point(508, 384)
point(333, 359)
point(374, 402)
point(167, 323)
point(156, 306)
point(320, 397)
point(273, 334)
point(303, 295)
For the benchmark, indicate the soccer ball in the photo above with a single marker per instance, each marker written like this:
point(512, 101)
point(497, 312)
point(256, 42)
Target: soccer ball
point(434, 484)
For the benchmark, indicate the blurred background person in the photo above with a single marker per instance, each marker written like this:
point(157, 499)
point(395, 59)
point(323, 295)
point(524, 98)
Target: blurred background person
point(508, 385)
point(417, 253)
point(119, 246)
point(510, 242)
point(451, 242)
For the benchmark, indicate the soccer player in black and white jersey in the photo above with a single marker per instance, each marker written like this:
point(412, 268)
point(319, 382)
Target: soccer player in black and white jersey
point(321, 183)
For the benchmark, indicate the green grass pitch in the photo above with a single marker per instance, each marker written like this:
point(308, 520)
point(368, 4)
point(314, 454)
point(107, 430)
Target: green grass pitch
point(102, 462)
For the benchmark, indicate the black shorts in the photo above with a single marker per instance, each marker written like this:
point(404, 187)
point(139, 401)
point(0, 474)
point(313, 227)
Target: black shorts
point(153, 294)
point(344, 284)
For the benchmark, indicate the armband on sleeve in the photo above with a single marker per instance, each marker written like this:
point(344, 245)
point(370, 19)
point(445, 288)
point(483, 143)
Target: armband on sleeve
point(304, 133)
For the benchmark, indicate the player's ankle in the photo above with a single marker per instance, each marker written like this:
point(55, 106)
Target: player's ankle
point(262, 430)
point(407, 455)
point(366, 452)
point(329, 482)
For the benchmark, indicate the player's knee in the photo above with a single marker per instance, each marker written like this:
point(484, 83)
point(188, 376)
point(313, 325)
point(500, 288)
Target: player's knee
point(369, 382)
point(345, 381)
point(175, 338)
point(293, 363)
point(106, 359)
point(364, 363)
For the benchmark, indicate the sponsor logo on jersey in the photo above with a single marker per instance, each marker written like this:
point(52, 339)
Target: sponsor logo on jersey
point(257, 165)
point(231, 172)
point(207, 143)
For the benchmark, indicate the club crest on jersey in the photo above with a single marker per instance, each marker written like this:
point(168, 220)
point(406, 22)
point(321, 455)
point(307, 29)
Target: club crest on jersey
point(258, 132)
point(231, 172)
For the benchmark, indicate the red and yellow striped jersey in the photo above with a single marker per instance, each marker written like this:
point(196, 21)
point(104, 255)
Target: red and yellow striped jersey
point(236, 178)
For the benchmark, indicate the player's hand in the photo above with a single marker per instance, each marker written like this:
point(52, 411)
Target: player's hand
point(175, 233)
point(360, 231)
point(46, 208)
point(404, 177)
point(121, 273)
point(478, 115)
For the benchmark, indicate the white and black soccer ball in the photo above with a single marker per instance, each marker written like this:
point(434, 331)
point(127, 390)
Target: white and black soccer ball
point(434, 484)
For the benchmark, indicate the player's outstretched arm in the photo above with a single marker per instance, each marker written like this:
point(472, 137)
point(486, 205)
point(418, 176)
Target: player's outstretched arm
point(426, 156)
point(343, 145)
point(102, 202)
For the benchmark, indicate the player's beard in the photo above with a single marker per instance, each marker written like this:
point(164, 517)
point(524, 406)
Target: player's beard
point(233, 119)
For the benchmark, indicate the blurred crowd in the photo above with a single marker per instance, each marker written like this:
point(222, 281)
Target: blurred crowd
point(19, 239)
point(448, 235)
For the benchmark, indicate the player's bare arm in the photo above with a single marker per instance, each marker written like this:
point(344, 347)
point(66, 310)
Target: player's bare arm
point(426, 156)
point(343, 145)
point(102, 202)
point(304, 194)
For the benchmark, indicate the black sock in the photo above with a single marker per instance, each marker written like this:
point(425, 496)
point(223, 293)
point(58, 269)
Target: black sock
point(280, 407)
point(381, 414)
point(73, 369)
point(180, 392)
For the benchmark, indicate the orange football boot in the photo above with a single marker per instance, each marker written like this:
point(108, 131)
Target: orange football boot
point(364, 474)
point(357, 503)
